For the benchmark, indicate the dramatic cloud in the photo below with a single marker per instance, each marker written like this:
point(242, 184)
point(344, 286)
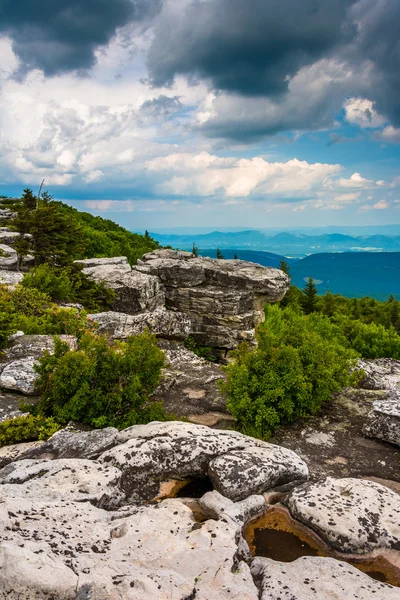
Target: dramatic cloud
point(63, 35)
point(251, 48)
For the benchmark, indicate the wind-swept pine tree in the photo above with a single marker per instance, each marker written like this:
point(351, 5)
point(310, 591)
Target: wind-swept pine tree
point(220, 256)
point(283, 265)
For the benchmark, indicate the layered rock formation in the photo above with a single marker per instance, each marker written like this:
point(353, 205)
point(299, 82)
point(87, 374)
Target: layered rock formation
point(221, 300)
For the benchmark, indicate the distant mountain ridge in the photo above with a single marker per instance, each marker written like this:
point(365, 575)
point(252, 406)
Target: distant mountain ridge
point(284, 243)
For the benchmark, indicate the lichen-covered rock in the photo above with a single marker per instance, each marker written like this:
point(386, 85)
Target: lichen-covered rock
point(150, 454)
point(384, 420)
point(351, 515)
point(18, 369)
point(241, 473)
point(70, 443)
point(189, 384)
point(223, 298)
point(162, 323)
point(11, 453)
point(315, 578)
point(64, 480)
point(134, 292)
point(73, 550)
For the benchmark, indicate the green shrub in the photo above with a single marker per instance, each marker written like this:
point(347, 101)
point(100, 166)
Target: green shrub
point(31, 311)
point(370, 340)
point(69, 284)
point(101, 384)
point(201, 351)
point(299, 362)
point(27, 428)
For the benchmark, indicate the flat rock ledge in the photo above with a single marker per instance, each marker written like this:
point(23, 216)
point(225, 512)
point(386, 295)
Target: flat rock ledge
point(384, 419)
point(351, 515)
point(76, 524)
point(315, 578)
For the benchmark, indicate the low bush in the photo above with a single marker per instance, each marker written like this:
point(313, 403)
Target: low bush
point(101, 384)
point(31, 311)
point(27, 428)
point(69, 284)
point(201, 351)
point(299, 363)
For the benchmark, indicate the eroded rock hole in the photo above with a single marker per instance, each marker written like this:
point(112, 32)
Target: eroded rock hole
point(195, 488)
point(278, 537)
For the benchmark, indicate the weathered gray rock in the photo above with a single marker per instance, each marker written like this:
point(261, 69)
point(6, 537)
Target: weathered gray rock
point(315, 578)
point(70, 550)
point(10, 278)
point(11, 453)
point(223, 298)
point(351, 515)
point(63, 480)
point(134, 292)
point(150, 454)
point(9, 237)
point(162, 323)
point(384, 419)
point(18, 369)
point(70, 443)
point(189, 384)
point(241, 473)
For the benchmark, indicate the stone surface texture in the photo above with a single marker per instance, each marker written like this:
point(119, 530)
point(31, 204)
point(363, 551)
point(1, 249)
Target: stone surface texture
point(223, 298)
point(189, 384)
point(149, 454)
point(315, 578)
point(384, 419)
point(351, 515)
point(17, 369)
point(135, 292)
point(162, 323)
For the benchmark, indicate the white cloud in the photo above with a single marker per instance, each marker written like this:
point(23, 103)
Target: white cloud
point(356, 181)
point(381, 205)
point(390, 134)
point(361, 112)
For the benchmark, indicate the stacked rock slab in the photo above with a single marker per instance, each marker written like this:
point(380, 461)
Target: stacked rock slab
point(223, 298)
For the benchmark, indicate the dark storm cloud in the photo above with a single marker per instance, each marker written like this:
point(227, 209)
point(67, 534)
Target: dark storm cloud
point(249, 47)
point(62, 35)
point(161, 108)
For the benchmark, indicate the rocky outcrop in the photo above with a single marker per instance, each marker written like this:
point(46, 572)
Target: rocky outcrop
point(351, 515)
point(223, 298)
point(135, 292)
point(384, 419)
point(150, 454)
point(162, 323)
point(17, 371)
point(315, 578)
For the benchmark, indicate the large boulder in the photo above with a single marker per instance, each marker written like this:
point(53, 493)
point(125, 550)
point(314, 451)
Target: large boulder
point(150, 454)
point(10, 278)
point(315, 578)
point(223, 298)
point(351, 515)
point(135, 292)
point(162, 323)
point(384, 419)
point(17, 371)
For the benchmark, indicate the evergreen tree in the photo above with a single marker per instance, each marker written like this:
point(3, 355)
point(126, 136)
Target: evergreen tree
point(220, 256)
point(310, 300)
point(195, 249)
point(235, 256)
point(329, 304)
point(283, 265)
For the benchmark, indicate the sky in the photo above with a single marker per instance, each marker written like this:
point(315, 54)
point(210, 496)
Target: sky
point(204, 113)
